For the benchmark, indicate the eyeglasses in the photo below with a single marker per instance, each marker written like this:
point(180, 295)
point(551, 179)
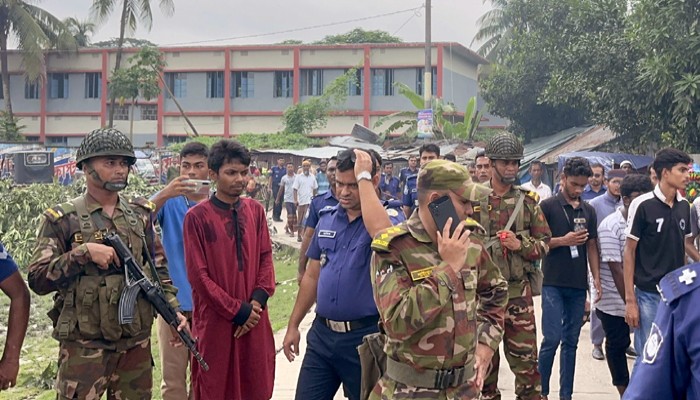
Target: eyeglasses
point(482, 166)
point(331, 169)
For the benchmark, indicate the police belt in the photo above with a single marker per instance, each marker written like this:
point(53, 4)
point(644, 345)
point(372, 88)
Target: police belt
point(348, 326)
point(440, 379)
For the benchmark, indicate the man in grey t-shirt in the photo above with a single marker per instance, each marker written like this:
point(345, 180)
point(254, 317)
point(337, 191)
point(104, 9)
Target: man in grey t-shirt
point(611, 308)
point(286, 193)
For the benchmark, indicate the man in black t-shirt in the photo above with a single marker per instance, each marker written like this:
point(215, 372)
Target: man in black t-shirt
point(574, 231)
point(658, 238)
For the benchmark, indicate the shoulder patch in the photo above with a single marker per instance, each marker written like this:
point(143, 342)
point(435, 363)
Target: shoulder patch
point(531, 194)
point(144, 203)
point(653, 344)
point(57, 212)
point(383, 239)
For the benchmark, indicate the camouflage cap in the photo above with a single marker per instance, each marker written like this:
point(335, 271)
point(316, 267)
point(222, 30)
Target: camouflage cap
point(447, 175)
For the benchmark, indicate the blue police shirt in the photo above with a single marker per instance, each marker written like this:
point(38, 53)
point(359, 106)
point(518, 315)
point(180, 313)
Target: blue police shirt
point(318, 203)
point(668, 369)
point(7, 264)
point(588, 193)
point(410, 192)
point(344, 291)
point(391, 186)
point(171, 218)
point(405, 173)
point(277, 173)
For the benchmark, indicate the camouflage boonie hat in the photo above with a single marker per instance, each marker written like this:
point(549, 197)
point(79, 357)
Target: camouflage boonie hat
point(105, 142)
point(447, 175)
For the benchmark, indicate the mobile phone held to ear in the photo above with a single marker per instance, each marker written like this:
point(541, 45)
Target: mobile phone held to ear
point(442, 209)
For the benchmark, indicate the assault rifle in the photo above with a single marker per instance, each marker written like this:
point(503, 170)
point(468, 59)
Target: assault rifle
point(137, 282)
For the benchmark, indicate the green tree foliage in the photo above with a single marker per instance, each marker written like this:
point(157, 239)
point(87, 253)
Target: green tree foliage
point(305, 117)
point(21, 208)
point(81, 30)
point(359, 35)
point(10, 130)
point(633, 66)
point(496, 27)
point(35, 30)
point(128, 42)
point(133, 13)
point(139, 80)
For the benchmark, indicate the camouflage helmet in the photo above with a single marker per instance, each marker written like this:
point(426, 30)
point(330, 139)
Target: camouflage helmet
point(105, 142)
point(504, 146)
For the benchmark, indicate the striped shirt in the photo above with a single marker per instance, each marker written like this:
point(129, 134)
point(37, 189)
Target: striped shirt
point(611, 241)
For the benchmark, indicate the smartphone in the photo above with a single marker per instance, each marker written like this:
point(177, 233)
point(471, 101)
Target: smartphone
point(442, 209)
point(201, 186)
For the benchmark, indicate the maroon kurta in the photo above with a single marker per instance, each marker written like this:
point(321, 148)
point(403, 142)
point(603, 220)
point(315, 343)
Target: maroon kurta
point(244, 368)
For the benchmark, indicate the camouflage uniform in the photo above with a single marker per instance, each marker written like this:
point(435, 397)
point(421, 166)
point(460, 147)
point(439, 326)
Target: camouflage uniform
point(520, 336)
point(96, 352)
point(432, 316)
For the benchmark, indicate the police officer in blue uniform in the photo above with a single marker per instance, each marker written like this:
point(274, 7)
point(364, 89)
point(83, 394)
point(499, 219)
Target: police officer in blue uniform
point(276, 174)
point(313, 214)
point(669, 366)
point(338, 280)
point(410, 195)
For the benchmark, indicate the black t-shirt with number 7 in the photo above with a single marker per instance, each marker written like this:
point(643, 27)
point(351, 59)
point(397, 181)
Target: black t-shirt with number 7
point(660, 232)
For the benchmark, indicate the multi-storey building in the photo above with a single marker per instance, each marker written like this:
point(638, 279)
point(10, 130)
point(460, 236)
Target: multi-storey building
point(229, 90)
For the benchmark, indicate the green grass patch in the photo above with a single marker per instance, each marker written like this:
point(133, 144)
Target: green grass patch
point(40, 350)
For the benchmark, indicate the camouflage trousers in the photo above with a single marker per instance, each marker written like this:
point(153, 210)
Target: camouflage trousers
point(85, 373)
point(519, 345)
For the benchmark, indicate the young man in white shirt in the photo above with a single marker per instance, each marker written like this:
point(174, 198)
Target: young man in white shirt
point(305, 187)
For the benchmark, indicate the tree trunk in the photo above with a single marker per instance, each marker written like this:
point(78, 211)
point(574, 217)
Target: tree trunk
point(177, 104)
point(118, 61)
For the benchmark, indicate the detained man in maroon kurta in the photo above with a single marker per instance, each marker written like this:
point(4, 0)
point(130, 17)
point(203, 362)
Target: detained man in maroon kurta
point(229, 264)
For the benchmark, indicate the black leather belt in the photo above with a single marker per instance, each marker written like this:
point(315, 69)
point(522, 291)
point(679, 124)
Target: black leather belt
point(348, 326)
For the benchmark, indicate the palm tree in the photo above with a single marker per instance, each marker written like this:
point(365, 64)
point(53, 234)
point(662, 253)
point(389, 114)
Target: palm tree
point(81, 30)
point(133, 12)
point(497, 25)
point(35, 30)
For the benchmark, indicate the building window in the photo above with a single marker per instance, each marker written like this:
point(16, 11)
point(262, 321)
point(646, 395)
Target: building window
point(311, 82)
point(59, 140)
point(177, 82)
point(243, 84)
point(31, 90)
point(215, 84)
point(149, 112)
point(383, 82)
point(419, 81)
point(58, 86)
point(121, 113)
point(93, 85)
point(356, 88)
point(284, 83)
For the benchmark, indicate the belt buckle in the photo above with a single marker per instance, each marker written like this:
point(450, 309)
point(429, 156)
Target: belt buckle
point(337, 326)
point(444, 378)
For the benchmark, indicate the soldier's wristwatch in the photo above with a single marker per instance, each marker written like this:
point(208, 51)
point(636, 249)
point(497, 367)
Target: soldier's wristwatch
point(363, 175)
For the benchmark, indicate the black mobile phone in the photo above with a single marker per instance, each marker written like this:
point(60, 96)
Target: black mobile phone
point(442, 209)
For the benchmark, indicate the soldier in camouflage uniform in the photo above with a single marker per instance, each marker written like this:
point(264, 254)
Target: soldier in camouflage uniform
point(441, 299)
point(517, 236)
point(97, 353)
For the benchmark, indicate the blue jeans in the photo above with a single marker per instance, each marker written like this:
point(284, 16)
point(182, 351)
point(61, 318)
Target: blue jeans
point(647, 302)
point(562, 316)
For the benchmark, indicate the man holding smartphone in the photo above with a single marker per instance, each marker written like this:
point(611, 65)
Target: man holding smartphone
point(440, 297)
point(517, 236)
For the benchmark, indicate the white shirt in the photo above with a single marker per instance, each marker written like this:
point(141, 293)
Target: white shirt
point(305, 186)
point(543, 190)
point(611, 241)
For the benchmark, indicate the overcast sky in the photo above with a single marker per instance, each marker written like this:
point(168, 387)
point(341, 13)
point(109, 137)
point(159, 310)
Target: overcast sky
point(200, 22)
